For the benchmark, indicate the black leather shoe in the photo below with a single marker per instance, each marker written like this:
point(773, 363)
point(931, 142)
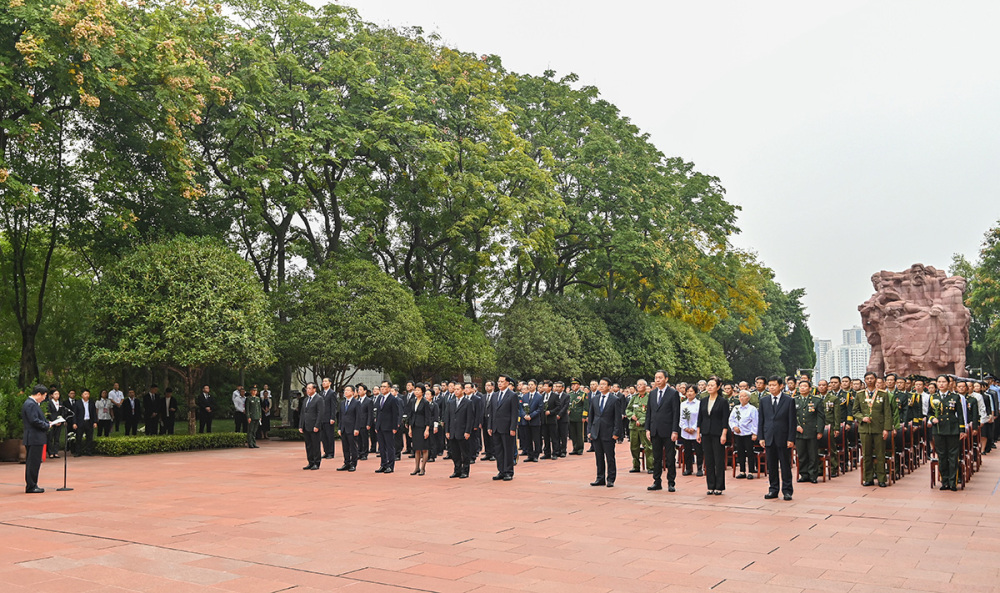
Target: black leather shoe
point(634, 470)
point(308, 467)
point(654, 487)
point(35, 490)
point(610, 484)
point(498, 477)
point(597, 483)
point(741, 476)
point(454, 475)
point(802, 480)
point(508, 478)
point(814, 480)
point(388, 470)
point(352, 468)
point(749, 476)
point(700, 473)
point(315, 467)
point(463, 476)
point(881, 484)
point(686, 472)
point(868, 483)
point(710, 493)
point(943, 487)
point(788, 497)
point(343, 468)
point(954, 488)
point(380, 470)
point(771, 495)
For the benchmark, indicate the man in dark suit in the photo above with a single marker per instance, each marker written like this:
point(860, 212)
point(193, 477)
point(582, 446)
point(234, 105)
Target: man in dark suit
point(605, 415)
point(776, 430)
point(388, 415)
point(35, 436)
point(168, 412)
point(131, 413)
point(328, 436)
point(151, 407)
point(311, 421)
point(503, 427)
point(206, 410)
point(663, 414)
point(366, 418)
point(84, 422)
point(550, 421)
point(460, 418)
point(562, 419)
point(476, 440)
point(488, 397)
point(350, 427)
point(531, 422)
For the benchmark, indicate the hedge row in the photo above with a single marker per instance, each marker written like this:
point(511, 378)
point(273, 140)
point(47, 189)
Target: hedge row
point(138, 445)
point(286, 434)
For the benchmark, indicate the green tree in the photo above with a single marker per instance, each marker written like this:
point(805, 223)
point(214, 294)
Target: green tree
point(598, 356)
point(983, 300)
point(457, 344)
point(351, 315)
point(537, 343)
point(184, 304)
point(643, 344)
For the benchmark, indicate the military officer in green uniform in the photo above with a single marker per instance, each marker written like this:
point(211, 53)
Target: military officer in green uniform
point(872, 408)
point(635, 412)
point(831, 413)
point(732, 396)
point(579, 403)
point(948, 419)
point(254, 414)
point(810, 422)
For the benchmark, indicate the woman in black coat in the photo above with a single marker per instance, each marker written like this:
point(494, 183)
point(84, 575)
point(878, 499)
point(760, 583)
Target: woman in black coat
point(713, 427)
point(421, 414)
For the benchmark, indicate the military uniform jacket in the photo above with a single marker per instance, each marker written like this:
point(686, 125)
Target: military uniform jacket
point(947, 408)
point(832, 410)
point(845, 399)
point(253, 408)
point(637, 407)
point(579, 403)
point(878, 407)
point(809, 415)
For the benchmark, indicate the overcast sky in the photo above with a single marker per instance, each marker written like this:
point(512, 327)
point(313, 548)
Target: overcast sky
point(856, 135)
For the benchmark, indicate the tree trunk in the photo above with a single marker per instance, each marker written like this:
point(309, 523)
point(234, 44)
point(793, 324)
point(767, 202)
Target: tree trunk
point(191, 384)
point(28, 370)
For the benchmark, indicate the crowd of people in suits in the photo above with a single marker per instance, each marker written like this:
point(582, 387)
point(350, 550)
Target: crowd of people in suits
point(885, 425)
point(786, 427)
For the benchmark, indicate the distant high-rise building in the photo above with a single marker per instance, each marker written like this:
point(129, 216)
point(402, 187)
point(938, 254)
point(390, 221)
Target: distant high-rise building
point(855, 335)
point(849, 358)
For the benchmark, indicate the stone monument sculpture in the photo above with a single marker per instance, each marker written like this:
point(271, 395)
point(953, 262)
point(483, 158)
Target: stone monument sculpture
point(916, 322)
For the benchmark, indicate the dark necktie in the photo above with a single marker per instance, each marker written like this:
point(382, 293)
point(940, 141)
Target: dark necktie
point(603, 398)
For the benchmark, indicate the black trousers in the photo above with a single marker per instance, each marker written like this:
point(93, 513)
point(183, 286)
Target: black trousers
point(604, 451)
point(265, 425)
point(387, 448)
point(363, 441)
point(152, 426)
point(397, 440)
point(104, 428)
point(562, 431)
point(779, 456)
point(948, 448)
point(692, 454)
point(373, 440)
point(116, 415)
point(459, 447)
point(55, 439)
point(349, 443)
point(475, 443)
point(85, 438)
point(744, 453)
point(535, 433)
point(576, 435)
point(313, 439)
point(205, 423)
point(664, 449)
point(504, 449)
point(131, 426)
point(329, 439)
point(550, 439)
point(715, 461)
point(31, 466)
point(168, 426)
point(240, 418)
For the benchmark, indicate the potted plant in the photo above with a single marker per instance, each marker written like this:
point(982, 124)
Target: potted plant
point(11, 429)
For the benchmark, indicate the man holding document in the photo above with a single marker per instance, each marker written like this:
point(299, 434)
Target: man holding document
point(36, 428)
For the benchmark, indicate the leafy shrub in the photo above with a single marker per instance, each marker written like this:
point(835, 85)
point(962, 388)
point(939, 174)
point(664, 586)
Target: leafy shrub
point(10, 414)
point(139, 445)
point(286, 434)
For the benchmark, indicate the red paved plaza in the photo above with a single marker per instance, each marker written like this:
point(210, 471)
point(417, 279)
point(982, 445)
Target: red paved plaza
point(253, 521)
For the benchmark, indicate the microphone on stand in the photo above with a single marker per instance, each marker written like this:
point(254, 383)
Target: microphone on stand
point(69, 414)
